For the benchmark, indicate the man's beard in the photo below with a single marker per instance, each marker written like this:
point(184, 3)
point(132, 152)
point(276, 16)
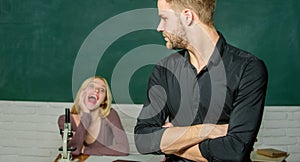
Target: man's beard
point(177, 39)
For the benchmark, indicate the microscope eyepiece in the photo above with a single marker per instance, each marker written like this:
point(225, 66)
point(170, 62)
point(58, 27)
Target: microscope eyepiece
point(67, 115)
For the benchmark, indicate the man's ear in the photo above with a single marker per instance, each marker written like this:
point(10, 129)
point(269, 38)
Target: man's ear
point(187, 17)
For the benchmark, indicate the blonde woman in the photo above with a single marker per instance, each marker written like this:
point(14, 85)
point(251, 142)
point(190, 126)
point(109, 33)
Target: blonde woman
point(97, 127)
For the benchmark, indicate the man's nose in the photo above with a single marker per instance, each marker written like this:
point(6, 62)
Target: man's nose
point(160, 27)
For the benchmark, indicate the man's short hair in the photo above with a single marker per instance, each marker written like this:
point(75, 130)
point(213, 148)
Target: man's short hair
point(204, 9)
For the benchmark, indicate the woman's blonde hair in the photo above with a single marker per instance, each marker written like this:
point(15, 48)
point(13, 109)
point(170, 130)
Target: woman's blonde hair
point(104, 107)
point(204, 9)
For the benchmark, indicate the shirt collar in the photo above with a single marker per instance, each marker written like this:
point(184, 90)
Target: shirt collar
point(217, 54)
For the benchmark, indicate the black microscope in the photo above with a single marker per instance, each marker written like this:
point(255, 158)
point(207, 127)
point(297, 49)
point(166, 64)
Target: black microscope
point(67, 133)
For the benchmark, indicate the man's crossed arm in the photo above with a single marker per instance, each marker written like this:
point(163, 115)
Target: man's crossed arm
point(183, 141)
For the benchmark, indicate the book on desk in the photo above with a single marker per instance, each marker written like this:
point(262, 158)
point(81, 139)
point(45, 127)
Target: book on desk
point(268, 155)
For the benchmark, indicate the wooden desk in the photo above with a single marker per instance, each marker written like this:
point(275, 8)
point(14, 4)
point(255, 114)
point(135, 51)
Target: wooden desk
point(80, 158)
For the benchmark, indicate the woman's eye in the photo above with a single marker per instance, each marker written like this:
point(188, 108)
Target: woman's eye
point(102, 90)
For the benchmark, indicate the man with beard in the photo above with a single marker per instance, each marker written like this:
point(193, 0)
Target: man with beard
point(211, 93)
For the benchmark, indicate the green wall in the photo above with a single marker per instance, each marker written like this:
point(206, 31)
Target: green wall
point(48, 47)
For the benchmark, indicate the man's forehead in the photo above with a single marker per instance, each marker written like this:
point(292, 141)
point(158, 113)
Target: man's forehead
point(167, 13)
point(163, 5)
point(164, 8)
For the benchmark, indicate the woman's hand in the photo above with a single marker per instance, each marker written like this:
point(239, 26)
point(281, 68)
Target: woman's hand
point(82, 103)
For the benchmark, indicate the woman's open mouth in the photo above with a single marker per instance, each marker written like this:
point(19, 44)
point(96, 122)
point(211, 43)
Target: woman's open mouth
point(93, 99)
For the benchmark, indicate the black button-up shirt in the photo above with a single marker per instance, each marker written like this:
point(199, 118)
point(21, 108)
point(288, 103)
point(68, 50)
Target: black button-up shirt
point(230, 90)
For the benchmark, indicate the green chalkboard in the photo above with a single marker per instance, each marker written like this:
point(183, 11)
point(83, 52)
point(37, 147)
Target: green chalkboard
point(47, 48)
